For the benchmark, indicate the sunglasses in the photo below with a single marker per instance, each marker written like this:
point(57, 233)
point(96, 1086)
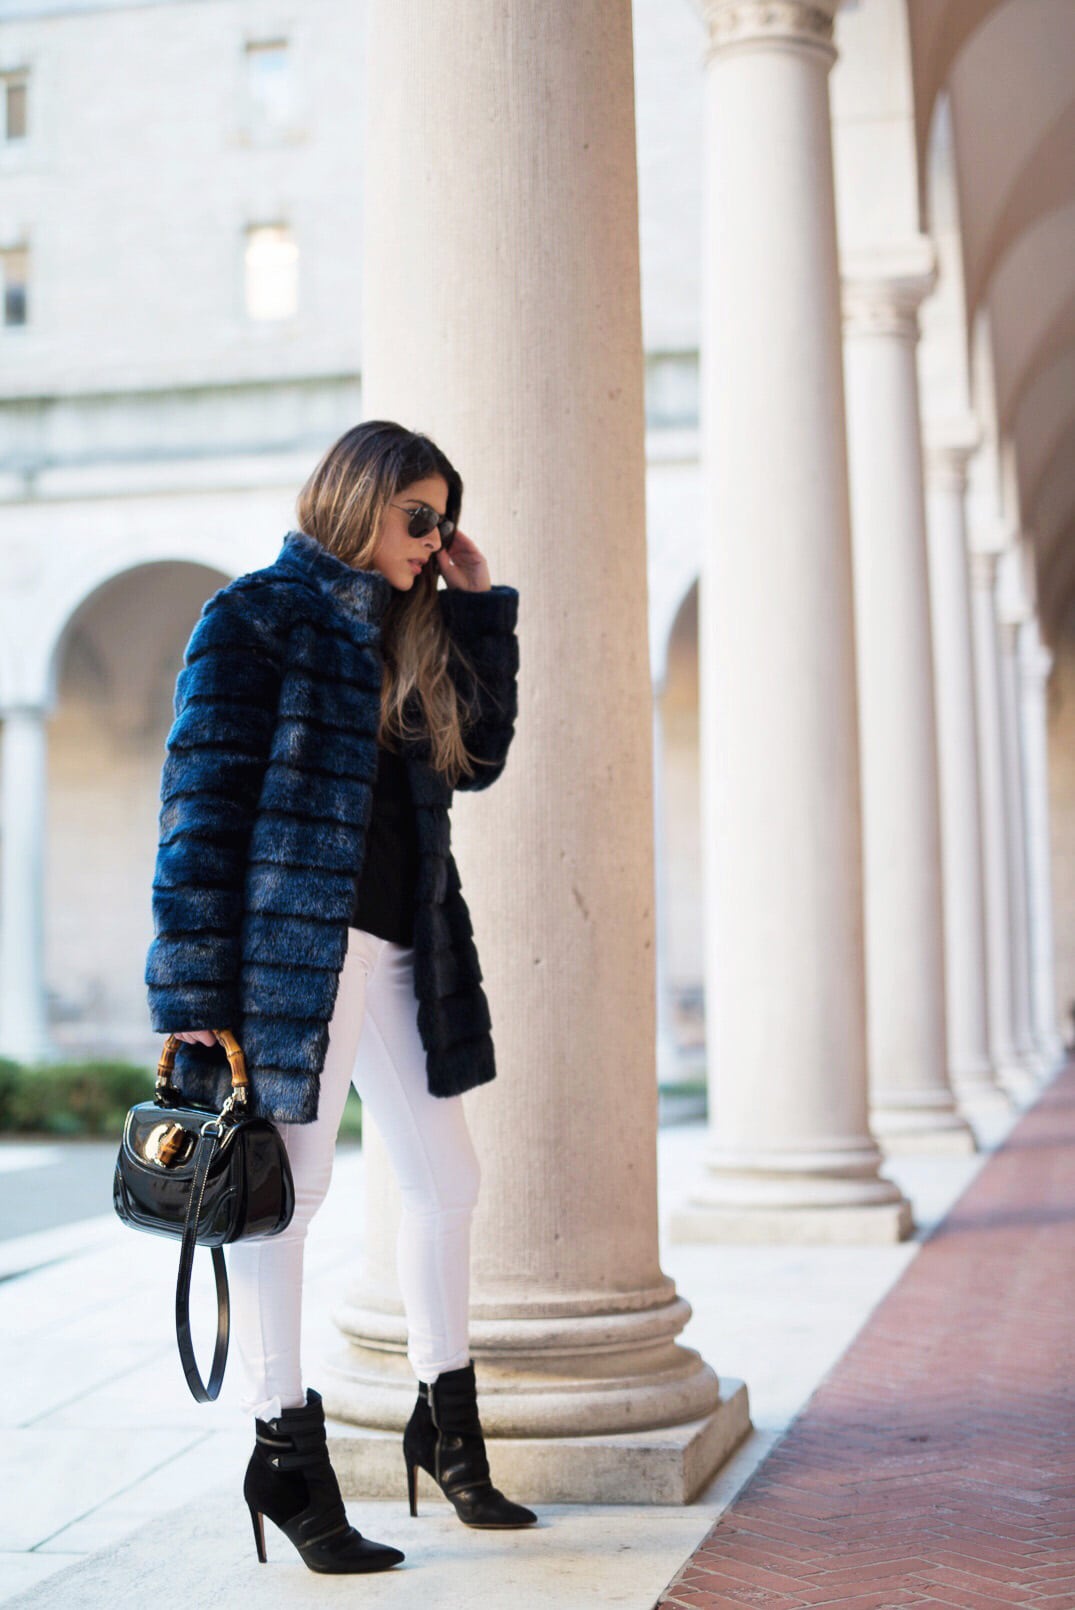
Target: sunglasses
point(423, 520)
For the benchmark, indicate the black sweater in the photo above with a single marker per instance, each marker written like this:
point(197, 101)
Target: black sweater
point(385, 891)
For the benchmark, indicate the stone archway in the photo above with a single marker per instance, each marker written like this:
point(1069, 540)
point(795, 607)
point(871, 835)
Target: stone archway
point(105, 719)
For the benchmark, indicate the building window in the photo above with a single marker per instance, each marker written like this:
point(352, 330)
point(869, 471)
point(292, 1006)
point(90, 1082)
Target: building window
point(14, 108)
point(14, 273)
point(268, 85)
point(272, 272)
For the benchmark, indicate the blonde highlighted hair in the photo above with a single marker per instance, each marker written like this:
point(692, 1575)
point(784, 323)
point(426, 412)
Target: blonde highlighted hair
point(341, 506)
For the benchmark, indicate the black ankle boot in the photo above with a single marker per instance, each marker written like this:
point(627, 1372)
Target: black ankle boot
point(289, 1479)
point(444, 1436)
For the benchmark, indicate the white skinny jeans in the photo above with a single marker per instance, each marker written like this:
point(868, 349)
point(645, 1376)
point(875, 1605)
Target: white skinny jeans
point(374, 1043)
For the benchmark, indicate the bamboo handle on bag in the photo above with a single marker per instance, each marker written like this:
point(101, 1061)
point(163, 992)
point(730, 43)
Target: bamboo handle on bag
point(236, 1059)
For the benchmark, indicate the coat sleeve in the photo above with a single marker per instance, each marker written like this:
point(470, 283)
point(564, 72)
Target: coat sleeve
point(483, 625)
point(217, 751)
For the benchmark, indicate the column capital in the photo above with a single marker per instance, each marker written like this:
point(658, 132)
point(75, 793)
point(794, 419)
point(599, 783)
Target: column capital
point(1012, 609)
point(993, 536)
point(1015, 607)
point(983, 567)
point(946, 465)
point(1035, 661)
point(949, 448)
point(883, 289)
point(805, 25)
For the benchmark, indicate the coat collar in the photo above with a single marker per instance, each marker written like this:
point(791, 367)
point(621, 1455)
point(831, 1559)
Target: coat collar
point(362, 594)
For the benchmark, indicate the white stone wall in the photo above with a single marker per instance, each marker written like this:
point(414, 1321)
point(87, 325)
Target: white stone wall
point(140, 178)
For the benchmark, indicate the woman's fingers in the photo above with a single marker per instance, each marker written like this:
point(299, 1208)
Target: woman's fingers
point(196, 1036)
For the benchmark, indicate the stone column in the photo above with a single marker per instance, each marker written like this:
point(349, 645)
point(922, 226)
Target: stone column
point(1009, 628)
point(502, 315)
point(1035, 664)
point(970, 1065)
point(994, 821)
point(791, 1152)
point(23, 809)
point(912, 1105)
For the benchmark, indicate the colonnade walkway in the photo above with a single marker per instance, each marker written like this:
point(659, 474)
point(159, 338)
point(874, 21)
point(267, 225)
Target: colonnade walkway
point(935, 1463)
point(118, 1486)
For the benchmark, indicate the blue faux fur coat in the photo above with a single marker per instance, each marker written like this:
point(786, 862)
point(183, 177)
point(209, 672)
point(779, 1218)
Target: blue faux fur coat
point(266, 793)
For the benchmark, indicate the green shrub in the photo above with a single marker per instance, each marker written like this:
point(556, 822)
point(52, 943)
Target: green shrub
point(73, 1098)
point(10, 1073)
point(93, 1097)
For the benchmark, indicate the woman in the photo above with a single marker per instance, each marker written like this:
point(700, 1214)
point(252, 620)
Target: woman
point(306, 894)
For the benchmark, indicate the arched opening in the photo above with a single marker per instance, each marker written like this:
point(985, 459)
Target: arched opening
point(114, 672)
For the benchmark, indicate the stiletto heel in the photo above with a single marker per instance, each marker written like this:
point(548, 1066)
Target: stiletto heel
point(291, 1480)
point(444, 1436)
point(259, 1532)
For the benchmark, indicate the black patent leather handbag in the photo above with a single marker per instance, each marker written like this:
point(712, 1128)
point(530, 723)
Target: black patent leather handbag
point(208, 1178)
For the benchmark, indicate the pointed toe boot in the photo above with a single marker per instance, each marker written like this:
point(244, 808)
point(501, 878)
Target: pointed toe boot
point(290, 1479)
point(444, 1436)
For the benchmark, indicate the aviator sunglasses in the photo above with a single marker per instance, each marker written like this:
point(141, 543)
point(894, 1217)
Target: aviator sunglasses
point(422, 521)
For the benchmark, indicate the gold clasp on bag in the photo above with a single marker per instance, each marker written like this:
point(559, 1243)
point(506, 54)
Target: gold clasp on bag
point(168, 1144)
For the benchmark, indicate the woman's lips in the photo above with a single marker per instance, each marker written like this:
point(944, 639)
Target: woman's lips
point(415, 566)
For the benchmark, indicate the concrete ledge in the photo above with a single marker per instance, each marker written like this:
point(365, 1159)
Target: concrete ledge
point(669, 1465)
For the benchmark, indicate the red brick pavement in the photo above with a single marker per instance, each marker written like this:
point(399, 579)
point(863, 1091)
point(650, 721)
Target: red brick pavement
point(935, 1463)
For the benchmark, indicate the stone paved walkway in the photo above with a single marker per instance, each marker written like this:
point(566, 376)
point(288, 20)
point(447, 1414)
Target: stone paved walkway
point(935, 1463)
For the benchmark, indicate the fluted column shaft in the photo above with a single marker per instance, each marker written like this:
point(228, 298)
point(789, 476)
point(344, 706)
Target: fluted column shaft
point(970, 1065)
point(1035, 664)
point(911, 1099)
point(23, 799)
point(502, 314)
point(785, 984)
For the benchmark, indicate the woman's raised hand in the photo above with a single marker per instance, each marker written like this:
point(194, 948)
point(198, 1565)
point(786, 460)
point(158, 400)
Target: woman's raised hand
point(465, 566)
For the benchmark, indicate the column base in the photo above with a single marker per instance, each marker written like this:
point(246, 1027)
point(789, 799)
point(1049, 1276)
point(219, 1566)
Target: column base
point(1018, 1081)
point(874, 1224)
point(961, 1142)
point(1054, 1054)
point(829, 1191)
point(976, 1096)
point(550, 1370)
point(935, 1127)
point(668, 1465)
point(1029, 1057)
point(974, 1079)
point(1041, 1065)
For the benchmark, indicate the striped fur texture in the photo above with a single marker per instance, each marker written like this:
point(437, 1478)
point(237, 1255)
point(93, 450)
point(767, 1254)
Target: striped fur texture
point(266, 793)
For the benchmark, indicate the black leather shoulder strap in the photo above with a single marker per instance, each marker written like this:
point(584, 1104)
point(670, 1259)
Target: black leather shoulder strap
point(203, 1157)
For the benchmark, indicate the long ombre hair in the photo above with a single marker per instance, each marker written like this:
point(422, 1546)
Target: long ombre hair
point(341, 506)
